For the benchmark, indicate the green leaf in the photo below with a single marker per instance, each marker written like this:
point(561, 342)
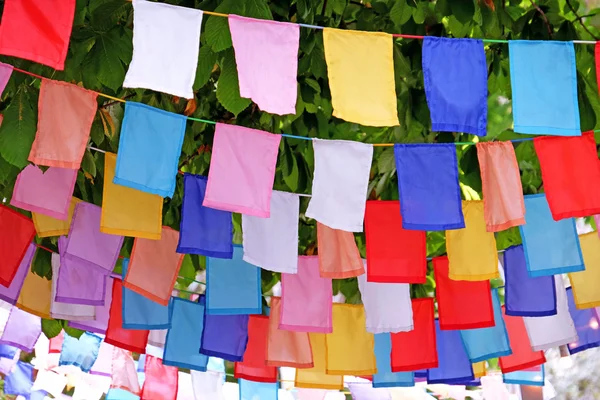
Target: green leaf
point(88, 163)
point(51, 327)
point(258, 9)
point(216, 32)
point(42, 264)
point(18, 129)
point(105, 62)
point(386, 161)
point(206, 63)
point(463, 10)
point(400, 12)
point(73, 332)
point(228, 88)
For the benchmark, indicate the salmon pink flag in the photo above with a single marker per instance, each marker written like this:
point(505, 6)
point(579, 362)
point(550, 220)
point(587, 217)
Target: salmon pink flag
point(161, 380)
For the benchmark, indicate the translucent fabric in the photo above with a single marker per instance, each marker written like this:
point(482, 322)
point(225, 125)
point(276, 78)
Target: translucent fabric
point(529, 377)
point(185, 335)
point(472, 251)
point(100, 324)
point(286, 348)
point(543, 78)
point(46, 226)
point(154, 266)
point(384, 376)
point(316, 377)
point(55, 343)
point(486, 343)
point(81, 352)
point(360, 67)
point(8, 351)
point(242, 170)
point(254, 363)
point(584, 283)
point(161, 381)
point(11, 293)
point(339, 257)
point(454, 365)
point(16, 235)
point(126, 211)
point(103, 364)
point(428, 186)
point(157, 338)
point(5, 73)
point(203, 230)
point(66, 311)
point(36, 295)
point(272, 243)
point(22, 330)
point(124, 376)
point(224, 336)
point(461, 304)
point(522, 356)
point(47, 381)
point(7, 364)
point(266, 55)
point(20, 380)
point(306, 299)
point(586, 323)
point(523, 295)
point(394, 254)
point(455, 77)
point(232, 286)
point(365, 391)
point(47, 193)
point(551, 247)
point(207, 385)
point(350, 348)
point(250, 390)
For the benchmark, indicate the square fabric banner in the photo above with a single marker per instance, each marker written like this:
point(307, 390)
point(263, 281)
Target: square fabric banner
point(224, 336)
point(16, 234)
point(66, 311)
point(35, 295)
point(254, 363)
point(161, 381)
point(22, 330)
point(81, 352)
point(100, 324)
point(583, 283)
point(339, 257)
point(384, 376)
point(454, 365)
point(522, 356)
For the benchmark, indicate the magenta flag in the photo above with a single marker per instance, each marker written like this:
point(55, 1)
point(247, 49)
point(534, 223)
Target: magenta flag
point(22, 330)
point(11, 293)
point(5, 73)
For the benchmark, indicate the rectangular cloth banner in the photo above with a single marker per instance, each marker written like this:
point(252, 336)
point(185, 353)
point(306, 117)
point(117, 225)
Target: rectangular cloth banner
point(124, 375)
point(339, 257)
point(100, 324)
point(254, 364)
point(384, 376)
point(583, 283)
point(46, 226)
point(224, 336)
point(11, 293)
point(316, 377)
point(22, 330)
point(586, 323)
point(454, 365)
point(66, 311)
point(35, 296)
point(522, 356)
point(16, 234)
point(82, 352)
point(160, 380)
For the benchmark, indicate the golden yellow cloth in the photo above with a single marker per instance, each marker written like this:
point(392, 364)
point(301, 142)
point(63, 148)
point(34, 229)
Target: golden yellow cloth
point(316, 377)
point(586, 291)
point(47, 226)
point(360, 67)
point(479, 369)
point(127, 211)
point(36, 295)
point(472, 250)
point(350, 348)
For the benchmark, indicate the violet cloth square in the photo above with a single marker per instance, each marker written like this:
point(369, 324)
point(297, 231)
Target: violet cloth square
point(22, 330)
point(11, 293)
point(225, 336)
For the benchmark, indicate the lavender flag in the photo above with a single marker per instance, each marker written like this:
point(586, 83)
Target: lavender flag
point(11, 293)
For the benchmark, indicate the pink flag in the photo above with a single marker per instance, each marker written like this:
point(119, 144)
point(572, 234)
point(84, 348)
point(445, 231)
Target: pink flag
point(103, 364)
point(22, 330)
point(5, 73)
point(161, 380)
point(124, 374)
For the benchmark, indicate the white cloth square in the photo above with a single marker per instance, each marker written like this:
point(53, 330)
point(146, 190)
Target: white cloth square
point(272, 243)
point(388, 307)
point(208, 385)
point(67, 311)
point(166, 43)
point(554, 330)
point(340, 183)
point(49, 382)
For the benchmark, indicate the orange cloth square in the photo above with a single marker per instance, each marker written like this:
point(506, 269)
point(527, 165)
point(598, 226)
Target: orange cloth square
point(36, 295)
point(47, 226)
point(316, 377)
point(339, 257)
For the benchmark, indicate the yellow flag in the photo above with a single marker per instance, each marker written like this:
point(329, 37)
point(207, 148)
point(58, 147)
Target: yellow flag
point(47, 226)
point(586, 291)
point(36, 294)
point(479, 369)
point(316, 376)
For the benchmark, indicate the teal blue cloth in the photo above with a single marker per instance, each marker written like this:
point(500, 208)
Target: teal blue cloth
point(81, 352)
point(544, 87)
point(384, 376)
point(120, 394)
point(551, 247)
point(149, 149)
point(485, 343)
point(250, 390)
point(532, 377)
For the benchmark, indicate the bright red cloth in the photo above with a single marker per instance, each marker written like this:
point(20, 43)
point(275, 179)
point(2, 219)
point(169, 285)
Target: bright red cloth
point(394, 254)
point(134, 340)
point(522, 356)
point(37, 30)
point(461, 304)
point(254, 367)
point(416, 349)
point(161, 380)
point(16, 233)
point(570, 172)
point(56, 343)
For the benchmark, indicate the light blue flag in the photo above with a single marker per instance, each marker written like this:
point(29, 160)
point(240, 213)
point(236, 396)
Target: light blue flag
point(531, 377)
point(551, 247)
point(544, 87)
point(485, 343)
point(232, 286)
point(384, 376)
point(250, 390)
point(120, 394)
point(81, 352)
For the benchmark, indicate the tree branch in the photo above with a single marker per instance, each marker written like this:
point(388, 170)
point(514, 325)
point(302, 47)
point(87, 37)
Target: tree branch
point(543, 17)
point(580, 19)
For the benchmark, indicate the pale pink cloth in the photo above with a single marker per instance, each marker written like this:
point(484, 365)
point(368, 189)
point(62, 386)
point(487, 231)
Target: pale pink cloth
point(103, 363)
point(266, 54)
point(311, 394)
point(124, 374)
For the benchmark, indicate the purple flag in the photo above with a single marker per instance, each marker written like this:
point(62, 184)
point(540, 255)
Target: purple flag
point(587, 324)
point(225, 336)
point(22, 330)
point(454, 365)
point(5, 72)
point(100, 324)
point(11, 294)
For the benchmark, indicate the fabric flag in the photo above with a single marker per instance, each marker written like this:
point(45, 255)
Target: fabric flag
point(126, 211)
point(124, 376)
point(133, 340)
point(150, 145)
point(242, 170)
point(166, 42)
point(339, 257)
point(232, 286)
point(377, 297)
point(455, 75)
point(522, 356)
point(47, 381)
point(161, 380)
point(454, 365)
point(7, 364)
point(10, 294)
point(154, 266)
point(428, 186)
point(360, 67)
point(306, 299)
point(316, 377)
point(350, 346)
point(472, 251)
point(543, 78)
point(203, 230)
point(16, 235)
point(587, 325)
point(523, 295)
point(224, 336)
point(103, 364)
point(416, 349)
point(554, 330)
point(5, 73)
point(461, 304)
point(250, 390)
point(384, 376)
point(585, 289)
point(485, 343)
point(272, 243)
point(55, 343)
point(266, 54)
point(286, 348)
point(8, 351)
point(394, 254)
point(158, 337)
point(66, 311)
point(479, 369)
point(47, 193)
point(20, 380)
point(81, 352)
point(207, 385)
point(35, 296)
point(22, 330)
point(340, 183)
point(551, 247)
point(46, 226)
point(503, 202)
point(184, 336)
point(254, 363)
point(529, 377)
point(100, 324)
point(365, 391)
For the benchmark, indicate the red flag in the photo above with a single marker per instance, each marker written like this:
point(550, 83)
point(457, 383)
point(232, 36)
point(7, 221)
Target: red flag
point(254, 365)
point(16, 233)
point(522, 356)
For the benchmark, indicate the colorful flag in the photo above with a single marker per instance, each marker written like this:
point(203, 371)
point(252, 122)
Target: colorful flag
point(339, 257)
point(316, 377)
point(66, 311)
point(224, 336)
point(124, 375)
point(585, 290)
point(160, 381)
point(384, 376)
point(10, 294)
point(5, 73)
point(20, 380)
point(103, 364)
point(587, 325)
point(46, 226)
point(81, 352)
point(35, 296)
point(454, 365)
point(207, 385)
point(522, 356)
point(479, 369)
point(529, 377)
point(16, 234)
point(254, 364)
point(100, 324)
point(250, 390)
point(22, 330)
